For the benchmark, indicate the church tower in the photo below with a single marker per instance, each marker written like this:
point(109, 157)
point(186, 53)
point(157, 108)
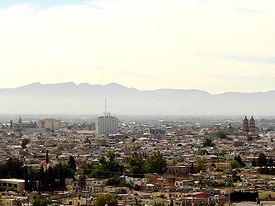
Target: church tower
point(245, 125)
point(252, 127)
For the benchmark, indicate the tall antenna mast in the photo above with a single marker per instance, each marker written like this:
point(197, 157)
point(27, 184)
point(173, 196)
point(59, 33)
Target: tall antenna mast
point(105, 113)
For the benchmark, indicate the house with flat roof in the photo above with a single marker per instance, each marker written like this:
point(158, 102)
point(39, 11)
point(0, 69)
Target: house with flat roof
point(17, 185)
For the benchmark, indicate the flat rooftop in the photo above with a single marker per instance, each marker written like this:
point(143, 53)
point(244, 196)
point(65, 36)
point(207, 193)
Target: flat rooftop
point(12, 180)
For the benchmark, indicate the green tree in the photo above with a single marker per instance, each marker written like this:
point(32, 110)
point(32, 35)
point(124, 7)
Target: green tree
point(106, 167)
point(221, 134)
point(118, 182)
point(41, 202)
point(239, 160)
point(12, 168)
point(106, 199)
point(25, 142)
point(249, 138)
point(234, 164)
point(156, 163)
point(136, 165)
point(26, 178)
point(262, 160)
point(51, 178)
point(208, 142)
point(72, 163)
point(33, 176)
point(193, 169)
point(114, 181)
point(82, 181)
point(88, 168)
point(42, 179)
point(200, 165)
point(111, 156)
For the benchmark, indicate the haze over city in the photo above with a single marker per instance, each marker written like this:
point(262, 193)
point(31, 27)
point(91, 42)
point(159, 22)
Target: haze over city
point(84, 98)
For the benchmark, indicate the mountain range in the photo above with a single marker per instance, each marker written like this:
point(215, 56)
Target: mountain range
point(71, 98)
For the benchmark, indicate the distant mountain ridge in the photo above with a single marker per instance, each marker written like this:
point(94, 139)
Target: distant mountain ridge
point(84, 98)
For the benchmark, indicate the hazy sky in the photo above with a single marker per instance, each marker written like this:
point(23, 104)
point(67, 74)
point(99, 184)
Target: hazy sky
point(214, 45)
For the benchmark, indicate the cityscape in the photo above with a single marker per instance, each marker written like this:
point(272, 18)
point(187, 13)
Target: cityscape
point(137, 103)
point(192, 161)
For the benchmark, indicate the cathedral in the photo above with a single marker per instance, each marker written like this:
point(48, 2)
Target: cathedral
point(249, 125)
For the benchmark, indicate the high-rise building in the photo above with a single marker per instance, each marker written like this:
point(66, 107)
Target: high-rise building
point(106, 124)
point(245, 125)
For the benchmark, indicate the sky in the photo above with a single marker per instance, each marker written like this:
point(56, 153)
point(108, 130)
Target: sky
point(213, 45)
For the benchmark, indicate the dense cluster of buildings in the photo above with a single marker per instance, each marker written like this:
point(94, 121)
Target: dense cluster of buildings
point(198, 172)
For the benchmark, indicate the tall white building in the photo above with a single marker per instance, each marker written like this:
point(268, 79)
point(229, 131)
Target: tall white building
point(106, 124)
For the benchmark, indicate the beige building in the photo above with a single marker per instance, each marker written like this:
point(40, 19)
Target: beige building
point(49, 123)
point(17, 185)
point(9, 202)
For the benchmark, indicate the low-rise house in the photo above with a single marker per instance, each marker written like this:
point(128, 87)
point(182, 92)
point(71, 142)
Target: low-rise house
point(17, 185)
point(180, 170)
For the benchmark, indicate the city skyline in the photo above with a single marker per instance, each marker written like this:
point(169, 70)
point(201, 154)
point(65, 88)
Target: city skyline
point(217, 46)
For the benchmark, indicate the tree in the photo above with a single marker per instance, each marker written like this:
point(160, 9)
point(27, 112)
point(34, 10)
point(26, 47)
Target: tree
point(234, 164)
point(203, 152)
point(270, 162)
point(114, 181)
point(51, 178)
point(106, 199)
point(62, 171)
point(111, 156)
point(119, 182)
point(193, 169)
point(236, 178)
point(42, 179)
point(136, 165)
point(239, 160)
point(208, 142)
point(111, 167)
point(25, 142)
point(200, 165)
point(41, 202)
point(88, 168)
point(261, 161)
point(72, 163)
point(26, 178)
point(249, 138)
point(82, 181)
point(156, 164)
point(106, 167)
point(221, 134)
point(13, 168)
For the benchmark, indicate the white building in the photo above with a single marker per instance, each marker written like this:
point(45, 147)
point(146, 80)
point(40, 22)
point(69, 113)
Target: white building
point(106, 124)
